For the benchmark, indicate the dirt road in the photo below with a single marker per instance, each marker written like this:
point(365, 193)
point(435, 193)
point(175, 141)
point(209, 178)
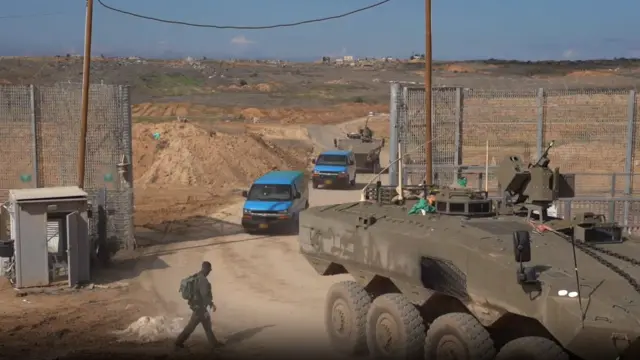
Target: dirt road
point(268, 297)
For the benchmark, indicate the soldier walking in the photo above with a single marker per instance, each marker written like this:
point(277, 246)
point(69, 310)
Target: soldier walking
point(196, 289)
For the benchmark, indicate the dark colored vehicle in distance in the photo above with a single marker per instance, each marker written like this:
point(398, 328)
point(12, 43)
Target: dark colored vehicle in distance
point(274, 201)
point(366, 149)
point(334, 168)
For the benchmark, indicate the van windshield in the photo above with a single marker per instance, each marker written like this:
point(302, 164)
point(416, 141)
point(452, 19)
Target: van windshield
point(270, 193)
point(331, 160)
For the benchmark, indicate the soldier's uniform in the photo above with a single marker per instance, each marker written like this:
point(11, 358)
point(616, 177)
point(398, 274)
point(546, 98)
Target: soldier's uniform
point(203, 298)
point(367, 134)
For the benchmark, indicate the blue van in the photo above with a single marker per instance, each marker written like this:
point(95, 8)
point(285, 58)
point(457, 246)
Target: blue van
point(334, 167)
point(274, 201)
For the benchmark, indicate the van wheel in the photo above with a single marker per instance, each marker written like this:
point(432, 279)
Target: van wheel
point(458, 336)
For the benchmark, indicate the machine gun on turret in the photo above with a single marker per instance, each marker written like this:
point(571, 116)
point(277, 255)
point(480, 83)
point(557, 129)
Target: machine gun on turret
point(364, 134)
point(533, 187)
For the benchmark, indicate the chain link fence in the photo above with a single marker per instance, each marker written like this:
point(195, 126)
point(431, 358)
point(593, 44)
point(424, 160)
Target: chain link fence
point(594, 131)
point(39, 133)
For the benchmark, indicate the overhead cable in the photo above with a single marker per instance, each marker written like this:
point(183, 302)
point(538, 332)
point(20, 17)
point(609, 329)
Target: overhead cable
point(298, 23)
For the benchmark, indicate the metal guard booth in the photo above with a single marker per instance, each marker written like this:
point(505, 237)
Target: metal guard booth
point(49, 237)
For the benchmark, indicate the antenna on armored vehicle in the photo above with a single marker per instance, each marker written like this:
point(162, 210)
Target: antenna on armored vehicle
point(578, 290)
point(400, 171)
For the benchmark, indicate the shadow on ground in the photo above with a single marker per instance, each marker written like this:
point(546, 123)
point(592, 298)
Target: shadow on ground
point(190, 229)
point(127, 265)
point(245, 334)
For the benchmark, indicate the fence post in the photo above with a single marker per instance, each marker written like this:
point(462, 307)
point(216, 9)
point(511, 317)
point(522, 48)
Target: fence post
point(457, 155)
point(124, 100)
point(628, 163)
point(393, 133)
point(540, 122)
point(34, 132)
point(404, 129)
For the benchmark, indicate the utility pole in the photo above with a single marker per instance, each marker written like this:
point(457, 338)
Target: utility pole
point(428, 69)
point(86, 70)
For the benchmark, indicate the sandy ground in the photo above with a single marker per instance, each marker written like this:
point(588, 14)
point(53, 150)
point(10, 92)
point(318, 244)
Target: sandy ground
point(270, 300)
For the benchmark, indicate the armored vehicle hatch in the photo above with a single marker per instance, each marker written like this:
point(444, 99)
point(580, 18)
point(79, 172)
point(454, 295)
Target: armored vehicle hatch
point(441, 270)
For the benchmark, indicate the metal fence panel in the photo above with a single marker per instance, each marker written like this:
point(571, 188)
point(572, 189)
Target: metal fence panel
point(39, 129)
point(594, 131)
point(413, 130)
point(16, 139)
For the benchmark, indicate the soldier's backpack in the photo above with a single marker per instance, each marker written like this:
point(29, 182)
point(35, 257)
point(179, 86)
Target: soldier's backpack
point(188, 287)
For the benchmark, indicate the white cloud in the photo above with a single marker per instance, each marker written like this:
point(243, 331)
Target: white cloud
point(569, 54)
point(241, 40)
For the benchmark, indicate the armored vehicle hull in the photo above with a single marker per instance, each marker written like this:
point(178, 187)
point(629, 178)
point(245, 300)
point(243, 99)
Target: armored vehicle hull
point(422, 279)
point(367, 154)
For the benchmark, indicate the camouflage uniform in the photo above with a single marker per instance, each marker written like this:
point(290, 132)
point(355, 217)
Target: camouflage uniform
point(199, 314)
point(367, 134)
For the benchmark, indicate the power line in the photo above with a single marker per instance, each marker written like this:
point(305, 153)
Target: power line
point(243, 27)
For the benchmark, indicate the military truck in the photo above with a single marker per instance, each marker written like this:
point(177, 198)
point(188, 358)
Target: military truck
point(473, 277)
point(365, 147)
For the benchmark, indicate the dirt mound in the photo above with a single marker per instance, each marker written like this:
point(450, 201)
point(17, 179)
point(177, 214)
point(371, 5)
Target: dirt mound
point(184, 154)
point(285, 115)
point(459, 69)
point(262, 87)
point(338, 82)
point(588, 73)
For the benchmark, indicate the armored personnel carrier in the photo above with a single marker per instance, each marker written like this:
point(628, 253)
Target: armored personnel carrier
point(470, 277)
point(365, 147)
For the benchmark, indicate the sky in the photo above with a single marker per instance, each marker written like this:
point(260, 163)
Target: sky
point(462, 29)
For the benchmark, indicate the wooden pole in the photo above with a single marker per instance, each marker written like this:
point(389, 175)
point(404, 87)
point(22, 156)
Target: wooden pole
point(486, 168)
point(82, 146)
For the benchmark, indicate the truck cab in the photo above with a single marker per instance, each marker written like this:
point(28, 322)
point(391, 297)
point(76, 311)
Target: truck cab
point(274, 201)
point(334, 168)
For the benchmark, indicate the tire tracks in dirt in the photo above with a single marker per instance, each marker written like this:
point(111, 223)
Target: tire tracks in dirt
point(259, 282)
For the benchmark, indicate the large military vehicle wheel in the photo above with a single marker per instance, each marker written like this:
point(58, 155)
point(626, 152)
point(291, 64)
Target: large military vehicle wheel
point(345, 317)
point(458, 336)
point(532, 348)
point(395, 329)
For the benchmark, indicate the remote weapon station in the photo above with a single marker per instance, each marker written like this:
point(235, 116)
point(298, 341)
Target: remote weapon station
point(445, 272)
